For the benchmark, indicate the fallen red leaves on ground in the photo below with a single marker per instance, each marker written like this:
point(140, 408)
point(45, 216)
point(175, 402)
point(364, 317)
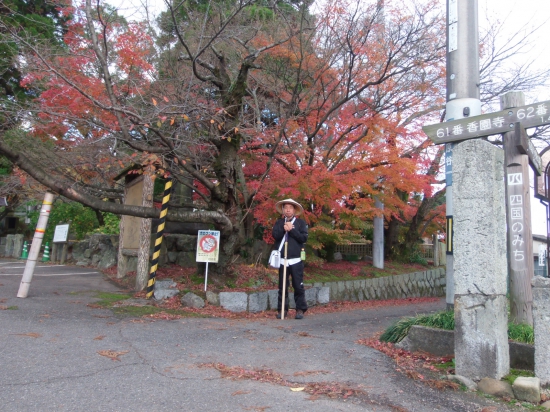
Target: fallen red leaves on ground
point(218, 312)
point(415, 365)
point(330, 389)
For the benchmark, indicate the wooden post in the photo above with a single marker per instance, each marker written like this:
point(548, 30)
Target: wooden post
point(144, 235)
point(135, 233)
point(54, 253)
point(64, 252)
point(518, 218)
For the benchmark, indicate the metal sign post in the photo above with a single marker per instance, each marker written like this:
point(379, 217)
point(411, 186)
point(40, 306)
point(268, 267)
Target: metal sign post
point(208, 249)
point(60, 236)
point(542, 255)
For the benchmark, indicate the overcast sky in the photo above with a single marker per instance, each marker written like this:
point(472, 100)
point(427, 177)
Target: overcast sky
point(534, 13)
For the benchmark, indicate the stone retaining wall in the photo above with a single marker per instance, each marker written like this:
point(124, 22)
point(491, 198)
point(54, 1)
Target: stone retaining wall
point(11, 246)
point(430, 283)
point(260, 301)
point(411, 285)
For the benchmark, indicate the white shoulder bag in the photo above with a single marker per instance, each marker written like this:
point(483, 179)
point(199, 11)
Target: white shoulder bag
point(275, 257)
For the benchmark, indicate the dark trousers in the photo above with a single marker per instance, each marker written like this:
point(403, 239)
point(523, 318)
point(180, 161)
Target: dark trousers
point(296, 273)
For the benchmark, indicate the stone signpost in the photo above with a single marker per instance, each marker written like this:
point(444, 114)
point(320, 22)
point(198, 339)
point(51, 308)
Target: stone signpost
point(481, 341)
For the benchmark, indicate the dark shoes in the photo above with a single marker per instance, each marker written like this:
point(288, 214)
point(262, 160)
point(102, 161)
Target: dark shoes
point(279, 314)
point(299, 314)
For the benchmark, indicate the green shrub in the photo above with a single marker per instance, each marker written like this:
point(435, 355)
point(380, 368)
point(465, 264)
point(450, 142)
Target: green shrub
point(111, 226)
point(351, 258)
point(400, 329)
point(416, 257)
point(83, 220)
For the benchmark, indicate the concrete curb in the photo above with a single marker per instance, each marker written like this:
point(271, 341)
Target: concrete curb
point(441, 342)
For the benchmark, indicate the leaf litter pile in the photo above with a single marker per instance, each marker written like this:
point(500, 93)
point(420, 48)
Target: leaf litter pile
point(417, 366)
point(330, 389)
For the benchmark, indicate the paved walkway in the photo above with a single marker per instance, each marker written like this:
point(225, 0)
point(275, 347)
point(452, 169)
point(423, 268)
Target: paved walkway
point(51, 343)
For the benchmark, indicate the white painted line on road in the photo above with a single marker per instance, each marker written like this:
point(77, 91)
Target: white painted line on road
point(52, 274)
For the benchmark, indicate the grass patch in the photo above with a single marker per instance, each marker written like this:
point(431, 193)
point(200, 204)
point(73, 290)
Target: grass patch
point(107, 299)
point(197, 279)
point(12, 308)
point(447, 365)
point(521, 333)
point(139, 311)
point(445, 320)
point(515, 373)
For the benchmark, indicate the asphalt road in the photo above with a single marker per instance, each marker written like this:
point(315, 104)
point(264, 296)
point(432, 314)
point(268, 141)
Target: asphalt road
point(53, 346)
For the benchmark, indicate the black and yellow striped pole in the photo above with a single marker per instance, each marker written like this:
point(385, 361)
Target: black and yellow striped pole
point(158, 240)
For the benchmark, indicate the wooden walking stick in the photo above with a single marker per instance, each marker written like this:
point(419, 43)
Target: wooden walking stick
point(284, 278)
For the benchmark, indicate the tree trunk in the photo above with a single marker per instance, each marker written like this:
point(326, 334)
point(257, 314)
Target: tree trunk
point(419, 222)
point(226, 199)
point(142, 275)
point(391, 238)
point(99, 217)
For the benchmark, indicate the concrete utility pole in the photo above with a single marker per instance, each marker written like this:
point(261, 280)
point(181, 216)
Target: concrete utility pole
point(477, 272)
point(378, 221)
point(462, 98)
point(378, 237)
point(36, 244)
